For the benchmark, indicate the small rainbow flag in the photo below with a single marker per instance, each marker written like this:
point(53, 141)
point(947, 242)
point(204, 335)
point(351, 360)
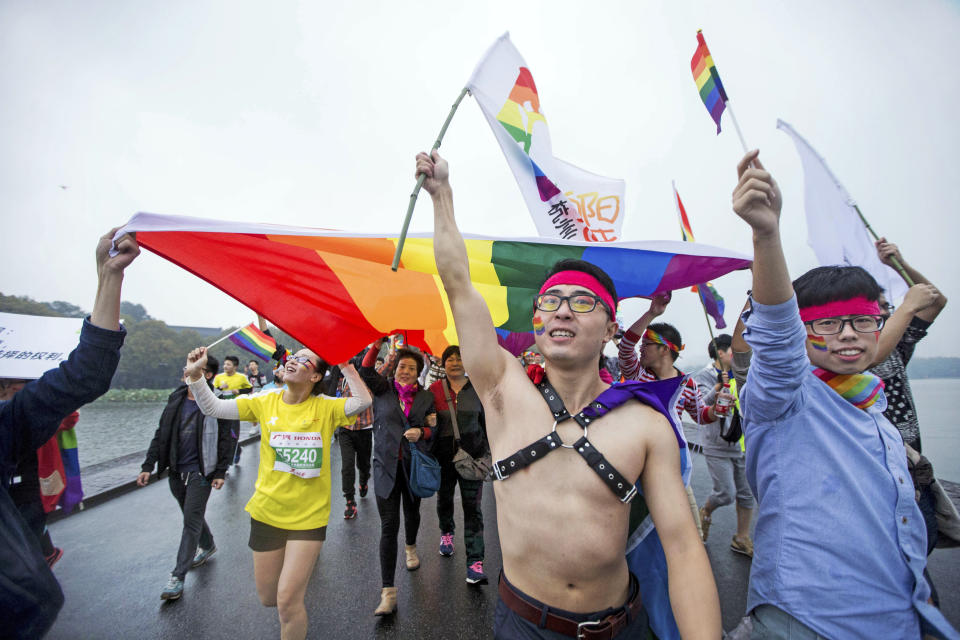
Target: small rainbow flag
point(713, 302)
point(709, 296)
point(685, 230)
point(255, 341)
point(67, 440)
point(708, 80)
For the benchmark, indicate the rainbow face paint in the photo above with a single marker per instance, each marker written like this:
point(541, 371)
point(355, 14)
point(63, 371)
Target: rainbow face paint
point(817, 342)
point(538, 327)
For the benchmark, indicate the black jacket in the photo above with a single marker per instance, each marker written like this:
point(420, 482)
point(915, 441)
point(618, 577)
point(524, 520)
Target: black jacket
point(166, 440)
point(389, 423)
point(29, 594)
point(470, 421)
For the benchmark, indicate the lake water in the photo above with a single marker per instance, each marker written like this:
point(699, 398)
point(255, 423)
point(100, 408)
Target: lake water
point(109, 430)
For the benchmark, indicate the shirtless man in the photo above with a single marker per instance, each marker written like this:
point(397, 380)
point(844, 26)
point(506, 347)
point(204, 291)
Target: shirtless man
point(562, 529)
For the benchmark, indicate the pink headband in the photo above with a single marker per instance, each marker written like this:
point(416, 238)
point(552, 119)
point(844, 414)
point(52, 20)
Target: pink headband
point(851, 307)
point(585, 280)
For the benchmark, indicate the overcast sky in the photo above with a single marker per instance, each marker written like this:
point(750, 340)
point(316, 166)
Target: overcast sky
point(310, 114)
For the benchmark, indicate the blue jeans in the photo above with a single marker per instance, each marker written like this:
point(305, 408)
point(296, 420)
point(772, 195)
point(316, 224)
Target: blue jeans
point(771, 623)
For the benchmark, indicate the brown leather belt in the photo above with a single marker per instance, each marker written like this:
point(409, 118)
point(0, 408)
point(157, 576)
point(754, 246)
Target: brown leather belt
point(604, 629)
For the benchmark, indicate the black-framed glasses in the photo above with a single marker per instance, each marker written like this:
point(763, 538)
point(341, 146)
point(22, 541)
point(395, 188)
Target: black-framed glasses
point(578, 303)
point(833, 326)
point(888, 307)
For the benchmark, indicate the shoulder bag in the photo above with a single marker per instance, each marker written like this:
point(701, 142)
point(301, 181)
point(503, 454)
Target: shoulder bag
point(467, 466)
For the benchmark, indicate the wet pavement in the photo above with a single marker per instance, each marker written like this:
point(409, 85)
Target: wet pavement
point(119, 553)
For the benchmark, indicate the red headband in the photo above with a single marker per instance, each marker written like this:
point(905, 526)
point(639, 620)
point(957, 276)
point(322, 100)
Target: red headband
point(585, 280)
point(858, 306)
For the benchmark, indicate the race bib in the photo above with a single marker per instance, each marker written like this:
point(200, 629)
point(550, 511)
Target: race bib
point(298, 453)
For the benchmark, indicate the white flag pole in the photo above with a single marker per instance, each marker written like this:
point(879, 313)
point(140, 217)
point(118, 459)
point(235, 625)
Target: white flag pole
point(223, 338)
point(736, 125)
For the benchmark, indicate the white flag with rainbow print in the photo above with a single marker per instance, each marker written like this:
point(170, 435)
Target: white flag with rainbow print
point(565, 201)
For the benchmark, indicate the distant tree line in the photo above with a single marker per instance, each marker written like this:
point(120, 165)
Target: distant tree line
point(153, 354)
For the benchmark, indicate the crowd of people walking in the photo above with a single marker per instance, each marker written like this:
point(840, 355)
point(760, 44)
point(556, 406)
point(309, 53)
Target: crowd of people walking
point(805, 416)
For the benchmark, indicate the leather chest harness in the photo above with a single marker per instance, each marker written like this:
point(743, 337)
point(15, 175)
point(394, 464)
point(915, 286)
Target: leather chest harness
point(610, 399)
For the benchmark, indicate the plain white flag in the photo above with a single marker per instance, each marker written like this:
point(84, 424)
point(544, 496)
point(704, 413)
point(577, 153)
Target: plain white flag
point(565, 201)
point(834, 229)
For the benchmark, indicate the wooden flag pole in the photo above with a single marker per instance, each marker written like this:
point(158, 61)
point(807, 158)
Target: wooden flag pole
point(706, 317)
point(876, 238)
point(420, 179)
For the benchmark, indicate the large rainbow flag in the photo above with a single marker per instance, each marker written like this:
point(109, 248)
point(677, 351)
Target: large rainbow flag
point(708, 80)
point(334, 291)
point(565, 201)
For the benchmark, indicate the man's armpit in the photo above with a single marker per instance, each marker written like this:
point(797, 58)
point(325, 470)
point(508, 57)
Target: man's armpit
point(495, 398)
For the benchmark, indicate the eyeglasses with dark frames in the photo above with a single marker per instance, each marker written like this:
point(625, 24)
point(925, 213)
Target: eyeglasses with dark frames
point(578, 303)
point(833, 326)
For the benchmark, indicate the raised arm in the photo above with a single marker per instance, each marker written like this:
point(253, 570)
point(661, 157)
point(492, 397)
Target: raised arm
point(738, 344)
point(693, 592)
point(741, 350)
point(626, 350)
point(209, 404)
point(773, 329)
point(482, 355)
point(360, 396)
point(375, 380)
point(110, 268)
point(920, 297)
point(887, 251)
point(757, 200)
point(33, 415)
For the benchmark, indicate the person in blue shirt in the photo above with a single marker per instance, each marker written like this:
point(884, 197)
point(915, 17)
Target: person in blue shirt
point(840, 544)
point(30, 597)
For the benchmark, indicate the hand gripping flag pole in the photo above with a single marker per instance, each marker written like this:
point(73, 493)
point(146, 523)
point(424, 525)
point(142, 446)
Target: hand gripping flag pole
point(420, 179)
point(896, 263)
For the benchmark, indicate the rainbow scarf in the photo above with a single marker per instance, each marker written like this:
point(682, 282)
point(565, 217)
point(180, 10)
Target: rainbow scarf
point(860, 389)
point(656, 338)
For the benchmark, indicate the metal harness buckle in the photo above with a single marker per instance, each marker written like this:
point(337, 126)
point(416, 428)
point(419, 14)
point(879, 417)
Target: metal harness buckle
point(560, 440)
